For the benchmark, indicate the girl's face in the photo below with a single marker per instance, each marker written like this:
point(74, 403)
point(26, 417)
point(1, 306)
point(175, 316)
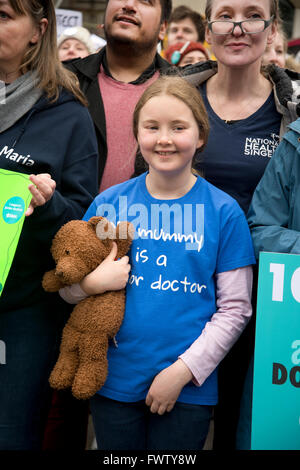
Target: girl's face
point(238, 49)
point(275, 53)
point(17, 32)
point(168, 135)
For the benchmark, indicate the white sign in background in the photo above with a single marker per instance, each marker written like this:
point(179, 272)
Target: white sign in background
point(67, 19)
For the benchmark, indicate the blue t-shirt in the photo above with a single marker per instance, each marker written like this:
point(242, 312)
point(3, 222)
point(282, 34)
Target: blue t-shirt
point(237, 154)
point(178, 248)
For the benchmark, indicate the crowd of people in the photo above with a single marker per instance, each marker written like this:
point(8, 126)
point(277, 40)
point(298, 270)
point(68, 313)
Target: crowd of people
point(163, 113)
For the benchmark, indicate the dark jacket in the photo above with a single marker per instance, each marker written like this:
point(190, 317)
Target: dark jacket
point(87, 70)
point(58, 139)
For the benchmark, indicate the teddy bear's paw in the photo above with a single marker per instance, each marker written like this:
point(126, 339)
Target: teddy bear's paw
point(85, 385)
point(50, 282)
point(61, 377)
point(83, 391)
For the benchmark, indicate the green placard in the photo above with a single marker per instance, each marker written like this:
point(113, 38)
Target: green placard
point(276, 385)
point(15, 198)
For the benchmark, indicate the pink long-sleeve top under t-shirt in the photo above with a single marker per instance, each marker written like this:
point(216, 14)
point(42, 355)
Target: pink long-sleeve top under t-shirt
point(234, 310)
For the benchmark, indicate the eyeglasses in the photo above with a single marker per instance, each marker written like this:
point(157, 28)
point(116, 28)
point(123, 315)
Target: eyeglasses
point(247, 26)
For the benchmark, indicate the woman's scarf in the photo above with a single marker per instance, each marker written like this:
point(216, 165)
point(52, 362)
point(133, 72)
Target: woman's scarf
point(17, 98)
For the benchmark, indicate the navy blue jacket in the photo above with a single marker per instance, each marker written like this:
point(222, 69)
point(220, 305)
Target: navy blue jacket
point(56, 138)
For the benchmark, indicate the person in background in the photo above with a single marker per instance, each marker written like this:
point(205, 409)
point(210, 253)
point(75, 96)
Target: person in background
point(75, 42)
point(162, 377)
point(274, 221)
point(276, 53)
point(115, 78)
point(182, 54)
point(274, 213)
point(249, 110)
point(185, 25)
point(45, 132)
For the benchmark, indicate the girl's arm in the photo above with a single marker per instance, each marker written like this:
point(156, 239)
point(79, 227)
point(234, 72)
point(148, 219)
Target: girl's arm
point(220, 333)
point(109, 275)
point(234, 310)
point(72, 294)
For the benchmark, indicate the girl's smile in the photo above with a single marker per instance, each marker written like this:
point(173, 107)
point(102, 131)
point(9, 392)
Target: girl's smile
point(168, 134)
point(164, 154)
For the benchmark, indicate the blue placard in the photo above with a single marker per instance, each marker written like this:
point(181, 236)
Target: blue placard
point(276, 385)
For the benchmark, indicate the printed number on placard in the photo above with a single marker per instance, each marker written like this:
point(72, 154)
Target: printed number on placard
point(278, 271)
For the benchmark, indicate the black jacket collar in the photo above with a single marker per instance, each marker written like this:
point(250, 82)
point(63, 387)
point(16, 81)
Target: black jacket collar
point(90, 65)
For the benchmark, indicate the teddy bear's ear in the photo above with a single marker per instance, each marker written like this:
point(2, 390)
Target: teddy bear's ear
point(94, 221)
point(105, 230)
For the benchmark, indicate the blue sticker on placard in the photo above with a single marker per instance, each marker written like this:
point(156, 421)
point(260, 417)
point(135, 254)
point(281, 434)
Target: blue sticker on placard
point(13, 210)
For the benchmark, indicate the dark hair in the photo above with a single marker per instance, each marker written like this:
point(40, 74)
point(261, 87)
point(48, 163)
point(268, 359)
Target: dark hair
point(182, 12)
point(274, 9)
point(166, 8)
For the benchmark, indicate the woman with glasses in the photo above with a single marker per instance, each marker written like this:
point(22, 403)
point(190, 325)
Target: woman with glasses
point(249, 109)
point(45, 132)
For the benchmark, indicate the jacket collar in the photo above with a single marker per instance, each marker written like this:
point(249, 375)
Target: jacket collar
point(90, 65)
point(199, 73)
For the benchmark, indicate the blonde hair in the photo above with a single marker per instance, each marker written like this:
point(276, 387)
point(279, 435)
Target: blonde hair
point(42, 57)
point(274, 9)
point(179, 88)
point(282, 33)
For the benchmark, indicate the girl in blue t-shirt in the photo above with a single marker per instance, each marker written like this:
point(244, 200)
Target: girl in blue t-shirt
point(188, 295)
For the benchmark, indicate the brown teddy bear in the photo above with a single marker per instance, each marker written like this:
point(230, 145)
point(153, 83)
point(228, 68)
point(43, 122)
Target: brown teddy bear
point(78, 248)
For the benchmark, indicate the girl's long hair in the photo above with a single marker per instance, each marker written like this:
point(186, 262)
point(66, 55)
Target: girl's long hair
point(179, 88)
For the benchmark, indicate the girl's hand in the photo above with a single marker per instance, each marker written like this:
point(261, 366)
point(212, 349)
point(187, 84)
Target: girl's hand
point(166, 387)
point(42, 190)
point(109, 275)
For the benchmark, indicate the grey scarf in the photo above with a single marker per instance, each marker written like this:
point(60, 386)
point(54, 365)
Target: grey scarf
point(17, 98)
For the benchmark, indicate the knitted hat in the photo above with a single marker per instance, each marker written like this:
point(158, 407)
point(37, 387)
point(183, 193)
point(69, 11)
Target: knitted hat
point(79, 33)
point(176, 52)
